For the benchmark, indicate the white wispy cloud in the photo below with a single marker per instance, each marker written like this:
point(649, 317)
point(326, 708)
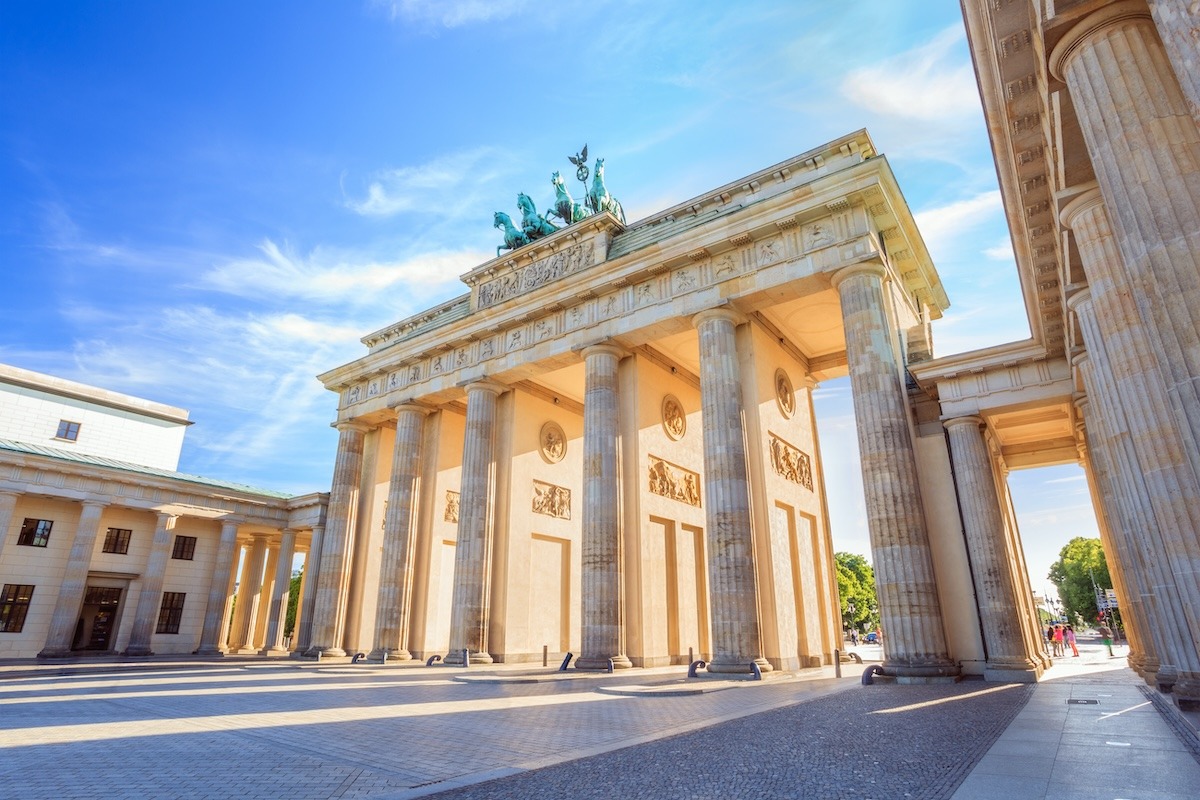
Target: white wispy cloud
point(452, 13)
point(338, 277)
point(943, 226)
point(929, 83)
point(447, 185)
point(1002, 251)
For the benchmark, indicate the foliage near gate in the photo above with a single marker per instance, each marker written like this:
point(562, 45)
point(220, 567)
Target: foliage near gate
point(1079, 563)
point(856, 586)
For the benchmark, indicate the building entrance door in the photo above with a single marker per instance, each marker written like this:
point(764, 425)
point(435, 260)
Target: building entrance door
point(97, 618)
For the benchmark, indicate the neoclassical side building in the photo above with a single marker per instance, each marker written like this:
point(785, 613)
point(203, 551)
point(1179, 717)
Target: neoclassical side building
point(607, 444)
point(106, 548)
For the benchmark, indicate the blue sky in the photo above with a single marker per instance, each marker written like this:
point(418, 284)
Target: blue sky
point(207, 204)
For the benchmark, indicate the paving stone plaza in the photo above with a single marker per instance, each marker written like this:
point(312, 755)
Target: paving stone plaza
point(242, 728)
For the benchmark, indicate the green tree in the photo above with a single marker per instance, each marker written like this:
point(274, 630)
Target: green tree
point(289, 624)
point(1080, 563)
point(856, 585)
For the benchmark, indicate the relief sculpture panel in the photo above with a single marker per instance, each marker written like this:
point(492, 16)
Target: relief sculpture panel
point(551, 500)
point(791, 463)
point(673, 481)
point(531, 277)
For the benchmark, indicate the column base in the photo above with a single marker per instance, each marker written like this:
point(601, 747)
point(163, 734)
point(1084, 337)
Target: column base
point(138, 652)
point(1011, 673)
point(1164, 679)
point(727, 666)
point(209, 650)
point(601, 662)
point(54, 653)
point(399, 654)
point(1187, 691)
point(274, 650)
point(328, 652)
point(455, 658)
point(935, 672)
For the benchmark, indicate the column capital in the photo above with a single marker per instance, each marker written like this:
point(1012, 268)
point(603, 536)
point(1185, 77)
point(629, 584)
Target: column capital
point(1078, 298)
point(167, 520)
point(1106, 16)
point(720, 312)
point(409, 407)
point(608, 347)
point(1088, 198)
point(971, 419)
point(102, 504)
point(485, 385)
point(344, 425)
point(875, 268)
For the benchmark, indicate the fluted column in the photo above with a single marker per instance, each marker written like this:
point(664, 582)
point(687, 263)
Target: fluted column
point(603, 628)
point(473, 551)
point(1178, 23)
point(145, 619)
point(329, 608)
point(1129, 375)
point(249, 596)
point(1144, 145)
point(733, 599)
point(308, 590)
point(70, 592)
point(394, 608)
point(219, 590)
point(280, 591)
point(1000, 609)
point(914, 637)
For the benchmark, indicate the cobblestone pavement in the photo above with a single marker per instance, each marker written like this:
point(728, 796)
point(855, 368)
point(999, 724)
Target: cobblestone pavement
point(254, 729)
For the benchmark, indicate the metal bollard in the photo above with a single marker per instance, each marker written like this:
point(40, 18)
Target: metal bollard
point(545, 655)
point(693, 667)
point(691, 656)
point(566, 662)
point(837, 663)
point(757, 672)
point(383, 658)
point(610, 666)
point(466, 658)
point(319, 656)
point(433, 659)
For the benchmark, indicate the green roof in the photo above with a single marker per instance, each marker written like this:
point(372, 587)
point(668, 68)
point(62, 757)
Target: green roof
point(125, 466)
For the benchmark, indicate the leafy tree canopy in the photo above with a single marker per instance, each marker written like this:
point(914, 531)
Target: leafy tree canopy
point(856, 585)
point(1079, 563)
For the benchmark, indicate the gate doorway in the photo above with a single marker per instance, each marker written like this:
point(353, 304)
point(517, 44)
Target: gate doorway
point(97, 619)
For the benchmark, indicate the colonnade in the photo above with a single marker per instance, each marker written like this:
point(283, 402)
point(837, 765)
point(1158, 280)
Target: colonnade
point(1137, 229)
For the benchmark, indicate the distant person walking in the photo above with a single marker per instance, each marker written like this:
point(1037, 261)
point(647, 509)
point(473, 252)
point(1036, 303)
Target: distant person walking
point(1058, 641)
point(1107, 636)
point(1069, 635)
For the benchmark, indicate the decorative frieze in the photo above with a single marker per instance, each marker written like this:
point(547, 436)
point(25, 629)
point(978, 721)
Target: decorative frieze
point(451, 514)
point(790, 462)
point(551, 500)
point(673, 481)
point(537, 274)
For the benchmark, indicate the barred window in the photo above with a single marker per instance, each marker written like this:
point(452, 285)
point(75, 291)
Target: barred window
point(117, 540)
point(35, 532)
point(171, 612)
point(185, 548)
point(67, 430)
point(14, 603)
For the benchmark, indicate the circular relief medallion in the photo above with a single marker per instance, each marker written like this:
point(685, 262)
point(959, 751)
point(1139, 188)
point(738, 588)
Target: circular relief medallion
point(552, 442)
point(674, 420)
point(785, 395)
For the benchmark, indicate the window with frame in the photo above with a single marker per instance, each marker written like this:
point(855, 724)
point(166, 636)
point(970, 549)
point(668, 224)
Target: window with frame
point(14, 604)
point(185, 548)
point(35, 532)
point(171, 612)
point(67, 430)
point(117, 540)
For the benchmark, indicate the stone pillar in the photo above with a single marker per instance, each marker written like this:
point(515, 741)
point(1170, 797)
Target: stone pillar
point(393, 612)
point(1178, 23)
point(308, 593)
point(329, 608)
point(145, 619)
point(1000, 609)
point(914, 637)
point(1145, 148)
point(280, 592)
point(8, 504)
point(733, 599)
point(469, 616)
point(219, 587)
point(74, 584)
point(1128, 374)
point(249, 595)
point(603, 621)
